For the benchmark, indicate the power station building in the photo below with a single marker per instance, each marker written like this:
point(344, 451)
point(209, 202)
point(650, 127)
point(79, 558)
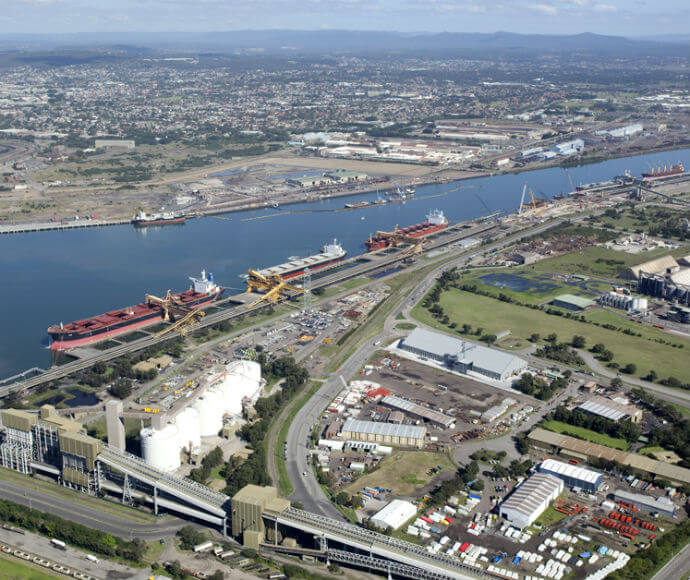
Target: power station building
point(462, 356)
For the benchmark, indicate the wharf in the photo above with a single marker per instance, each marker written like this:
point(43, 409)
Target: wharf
point(22, 228)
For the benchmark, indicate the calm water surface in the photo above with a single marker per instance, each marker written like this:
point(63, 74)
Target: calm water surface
point(63, 276)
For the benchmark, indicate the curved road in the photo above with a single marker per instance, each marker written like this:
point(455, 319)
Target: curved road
point(90, 517)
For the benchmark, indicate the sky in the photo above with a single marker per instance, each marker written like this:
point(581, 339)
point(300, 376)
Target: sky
point(630, 18)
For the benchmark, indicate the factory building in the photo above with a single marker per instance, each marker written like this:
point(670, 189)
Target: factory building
point(662, 505)
point(661, 286)
point(623, 302)
point(387, 433)
point(417, 411)
point(462, 356)
point(248, 506)
point(572, 447)
point(569, 147)
point(610, 409)
point(114, 144)
point(571, 302)
point(48, 443)
point(529, 501)
point(660, 265)
point(394, 515)
point(573, 475)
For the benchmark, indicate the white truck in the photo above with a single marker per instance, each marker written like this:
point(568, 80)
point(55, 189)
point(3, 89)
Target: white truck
point(59, 544)
point(92, 558)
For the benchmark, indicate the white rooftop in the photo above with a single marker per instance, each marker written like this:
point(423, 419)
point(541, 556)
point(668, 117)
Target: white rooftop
point(568, 470)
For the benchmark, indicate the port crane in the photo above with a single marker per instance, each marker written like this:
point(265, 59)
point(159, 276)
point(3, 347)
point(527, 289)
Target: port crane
point(180, 315)
point(396, 237)
point(272, 287)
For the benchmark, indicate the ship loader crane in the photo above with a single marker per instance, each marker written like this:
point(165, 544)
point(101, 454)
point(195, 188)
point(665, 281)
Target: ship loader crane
point(173, 311)
point(395, 237)
point(273, 287)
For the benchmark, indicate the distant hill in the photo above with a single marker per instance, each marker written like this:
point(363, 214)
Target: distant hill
point(359, 42)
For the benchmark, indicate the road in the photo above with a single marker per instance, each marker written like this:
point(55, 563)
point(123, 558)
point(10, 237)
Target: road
point(87, 516)
point(677, 568)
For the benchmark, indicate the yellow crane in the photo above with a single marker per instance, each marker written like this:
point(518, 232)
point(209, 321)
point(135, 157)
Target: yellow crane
point(173, 311)
point(273, 287)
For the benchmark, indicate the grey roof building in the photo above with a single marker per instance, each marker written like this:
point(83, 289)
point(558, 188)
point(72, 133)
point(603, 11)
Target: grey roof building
point(462, 356)
point(388, 433)
point(530, 499)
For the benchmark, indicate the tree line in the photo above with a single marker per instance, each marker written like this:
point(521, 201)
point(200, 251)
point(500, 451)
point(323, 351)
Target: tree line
point(72, 533)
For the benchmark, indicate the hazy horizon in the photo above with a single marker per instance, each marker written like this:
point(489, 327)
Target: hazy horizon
point(632, 19)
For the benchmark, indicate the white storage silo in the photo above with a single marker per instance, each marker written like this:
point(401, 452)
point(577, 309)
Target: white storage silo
point(210, 407)
point(639, 304)
point(188, 425)
point(160, 447)
point(242, 381)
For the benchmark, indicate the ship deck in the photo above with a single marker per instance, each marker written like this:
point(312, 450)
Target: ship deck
point(301, 263)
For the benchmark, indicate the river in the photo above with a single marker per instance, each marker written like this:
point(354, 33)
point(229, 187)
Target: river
point(63, 276)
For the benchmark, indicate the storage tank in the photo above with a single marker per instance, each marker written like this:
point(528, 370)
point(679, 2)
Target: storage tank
point(160, 447)
point(189, 429)
point(242, 381)
point(639, 304)
point(210, 407)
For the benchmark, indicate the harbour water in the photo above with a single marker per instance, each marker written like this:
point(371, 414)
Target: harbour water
point(57, 276)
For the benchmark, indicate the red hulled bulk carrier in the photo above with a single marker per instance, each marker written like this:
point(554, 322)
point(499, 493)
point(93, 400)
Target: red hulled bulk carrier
point(435, 221)
point(330, 255)
point(203, 291)
point(659, 172)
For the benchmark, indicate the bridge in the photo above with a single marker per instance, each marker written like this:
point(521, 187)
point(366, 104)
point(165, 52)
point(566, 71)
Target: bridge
point(374, 549)
point(182, 495)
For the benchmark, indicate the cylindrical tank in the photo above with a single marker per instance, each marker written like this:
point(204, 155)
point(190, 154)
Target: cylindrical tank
point(210, 407)
point(160, 447)
point(189, 429)
point(639, 304)
point(242, 381)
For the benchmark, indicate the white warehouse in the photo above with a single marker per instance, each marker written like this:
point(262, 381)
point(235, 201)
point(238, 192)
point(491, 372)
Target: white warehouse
point(224, 394)
point(529, 500)
point(394, 514)
point(463, 356)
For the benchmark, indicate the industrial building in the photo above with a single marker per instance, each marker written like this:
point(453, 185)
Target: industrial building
point(388, 433)
point(462, 356)
point(573, 475)
point(569, 147)
point(661, 505)
point(417, 411)
point(662, 286)
point(223, 395)
point(610, 409)
point(393, 515)
point(530, 499)
point(54, 447)
point(496, 411)
point(584, 450)
point(623, 302)
point(247, 507)
point(660, 265)
point(114, 144)
point(571, 302)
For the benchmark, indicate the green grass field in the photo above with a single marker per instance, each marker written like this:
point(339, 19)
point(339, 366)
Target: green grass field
point(494, 316)
point(13, 569)
point(403, 472)
point(586, 434)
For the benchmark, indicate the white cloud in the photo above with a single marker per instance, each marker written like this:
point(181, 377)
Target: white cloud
point(605, 8)
point(546, 9)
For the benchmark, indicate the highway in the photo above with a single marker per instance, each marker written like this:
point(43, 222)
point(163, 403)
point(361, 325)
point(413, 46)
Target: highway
point(677, 568)
point(87, 516)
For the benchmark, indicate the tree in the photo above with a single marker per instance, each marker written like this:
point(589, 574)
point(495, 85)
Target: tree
point(190, 537)
point(356, 502)
point(578, 341)
point(100, 367)
point(342, 498)
point(122, 388)
point(630, 369)
point(552, 338)
point(651, 376)
point(616, 384)
point(534, 337)
point(598, 348)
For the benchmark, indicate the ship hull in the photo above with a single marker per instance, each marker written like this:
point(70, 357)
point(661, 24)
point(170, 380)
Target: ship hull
point(161, 222)
point(416, 231)
point(64, 339)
